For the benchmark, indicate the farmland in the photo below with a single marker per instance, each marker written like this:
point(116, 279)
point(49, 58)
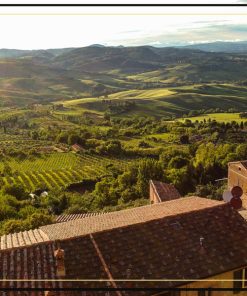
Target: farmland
point(56, 170)
point(158, 102)
point(92, 132)
point(220, 117)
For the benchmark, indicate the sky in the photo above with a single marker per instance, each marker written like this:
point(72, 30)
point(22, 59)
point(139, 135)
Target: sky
point(163, 27)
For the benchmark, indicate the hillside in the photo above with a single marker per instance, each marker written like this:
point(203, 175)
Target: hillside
point(229, 47)
point(160, 102)
point(45, 76)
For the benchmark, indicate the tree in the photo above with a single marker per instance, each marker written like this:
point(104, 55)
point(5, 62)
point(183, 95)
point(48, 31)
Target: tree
point(56, 203)
point(178, 162)
point(73, 139)
point(7, 212)
point(12, 226)
point(148, 169)
point(241, 151)
point(105, 193)
point(38, 219)
point(16, 190)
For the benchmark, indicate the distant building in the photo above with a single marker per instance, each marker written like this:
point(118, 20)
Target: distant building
point(76, 147)
point(237, 176)
point(178, 240)
point(160, 192)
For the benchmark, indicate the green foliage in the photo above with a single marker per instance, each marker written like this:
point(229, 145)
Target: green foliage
point(26, 211)
point(12, 226)
point(16, 190)
point(38, 219)
point(148, 169)
point(81, 203)
point(55, 202)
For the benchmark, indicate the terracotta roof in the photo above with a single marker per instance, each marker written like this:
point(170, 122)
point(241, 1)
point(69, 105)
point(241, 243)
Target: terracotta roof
point(69, 217)
point(38, 262)
point(77, 147)
point(33, 262)
point(165, 247)
point(169, 248)
point(24, 238)
point(165, 191)
point(244, 163)
point(126, 217)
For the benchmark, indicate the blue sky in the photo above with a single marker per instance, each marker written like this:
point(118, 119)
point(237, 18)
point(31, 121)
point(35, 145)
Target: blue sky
point(57, 31)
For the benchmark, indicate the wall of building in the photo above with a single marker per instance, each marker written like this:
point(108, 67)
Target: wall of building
point(228, 283)
point(237, 176)
point(153, 196)
point(224, 280)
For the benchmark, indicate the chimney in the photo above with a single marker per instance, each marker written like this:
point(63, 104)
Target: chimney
point(60, 266)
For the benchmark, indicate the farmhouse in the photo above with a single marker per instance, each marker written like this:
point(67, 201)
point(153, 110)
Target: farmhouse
point(176, 242)
point(76, 148)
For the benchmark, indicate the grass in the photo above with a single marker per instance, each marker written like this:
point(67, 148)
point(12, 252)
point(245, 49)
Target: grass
point(160, 102)
point(53, 161)
point(220, 117)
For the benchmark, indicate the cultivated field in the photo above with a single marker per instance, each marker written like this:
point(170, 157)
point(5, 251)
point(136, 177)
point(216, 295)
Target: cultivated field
point(220, 117)
point(56, 170)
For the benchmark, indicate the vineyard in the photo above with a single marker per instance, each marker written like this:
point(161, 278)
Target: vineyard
point(56, 170)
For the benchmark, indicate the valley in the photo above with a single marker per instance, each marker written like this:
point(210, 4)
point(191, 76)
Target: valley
point(84, 129)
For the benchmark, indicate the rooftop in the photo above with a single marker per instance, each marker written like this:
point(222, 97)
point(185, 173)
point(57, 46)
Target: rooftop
point(127, 217)
point(165, 191)
point(69, 217)
point(101, 222)
point(160, 241)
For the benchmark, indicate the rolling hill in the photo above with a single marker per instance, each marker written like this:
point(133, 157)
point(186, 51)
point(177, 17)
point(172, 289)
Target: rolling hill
point(45, 76)
point(229, 47)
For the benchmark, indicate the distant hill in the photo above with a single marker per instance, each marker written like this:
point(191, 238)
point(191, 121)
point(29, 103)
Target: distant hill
point(93, 71)
point(18, 53)
point(229, 47)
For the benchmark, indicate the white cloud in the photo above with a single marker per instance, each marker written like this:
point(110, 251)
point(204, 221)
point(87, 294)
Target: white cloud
point(55, 31)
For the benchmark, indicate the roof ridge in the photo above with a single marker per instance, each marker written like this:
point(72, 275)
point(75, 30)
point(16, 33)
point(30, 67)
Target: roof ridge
point(52, 240)
point(118, 219)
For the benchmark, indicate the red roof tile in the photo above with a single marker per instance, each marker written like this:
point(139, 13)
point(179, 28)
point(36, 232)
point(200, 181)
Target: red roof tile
point(23, 238)
point(126, 217)
point(160, 241)
point(69, 217)
point(165, 191)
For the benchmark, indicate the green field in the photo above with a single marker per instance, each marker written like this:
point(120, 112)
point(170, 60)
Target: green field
point(164, 101)
point(220, 117)
point(57, 170)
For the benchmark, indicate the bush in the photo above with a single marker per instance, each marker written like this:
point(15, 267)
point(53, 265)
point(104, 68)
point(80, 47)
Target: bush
point(38, 219)
point(16, 190)
point(11, 226)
